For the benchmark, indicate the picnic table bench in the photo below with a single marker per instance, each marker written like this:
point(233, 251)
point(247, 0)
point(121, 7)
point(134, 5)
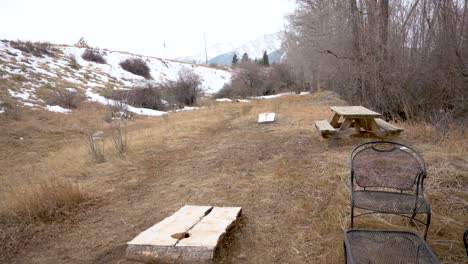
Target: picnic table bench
point(352, 120)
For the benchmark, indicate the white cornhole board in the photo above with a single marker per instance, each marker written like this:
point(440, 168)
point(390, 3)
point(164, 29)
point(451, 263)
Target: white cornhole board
point(190, 235)
point(266, 117)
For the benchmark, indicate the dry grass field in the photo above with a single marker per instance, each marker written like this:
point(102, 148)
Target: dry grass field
point(58, 206)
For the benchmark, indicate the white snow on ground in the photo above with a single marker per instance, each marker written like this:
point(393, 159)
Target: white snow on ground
point(188, 108)
point(160, 70)
point(57, 109)
point(223, 100)
point(140, 111)
point(22, 95)
point(278, 95)
point(260, 97)
point(55, 70)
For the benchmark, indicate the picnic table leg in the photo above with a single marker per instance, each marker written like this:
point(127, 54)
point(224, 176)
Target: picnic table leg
point(335, 119)
point(373, 125)
point(346, 124)
point(370, 125)
point(357, 125)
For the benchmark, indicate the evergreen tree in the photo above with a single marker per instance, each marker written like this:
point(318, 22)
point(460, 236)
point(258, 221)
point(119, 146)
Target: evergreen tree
point(265, 60)
point(235, 60)
point(245, 57)
point(82, 43)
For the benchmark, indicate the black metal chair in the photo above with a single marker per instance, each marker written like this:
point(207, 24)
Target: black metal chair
point(388, 178)
point(386, 246)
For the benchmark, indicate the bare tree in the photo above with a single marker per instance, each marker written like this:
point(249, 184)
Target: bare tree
point(407, 59)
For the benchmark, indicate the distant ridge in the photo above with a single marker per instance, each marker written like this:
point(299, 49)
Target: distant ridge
point(222, 53)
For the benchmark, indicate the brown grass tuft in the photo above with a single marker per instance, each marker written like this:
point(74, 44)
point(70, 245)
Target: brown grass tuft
point(46, 200)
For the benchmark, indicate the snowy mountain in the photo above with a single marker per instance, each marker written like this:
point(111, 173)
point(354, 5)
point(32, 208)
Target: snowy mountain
point(223, 53)
point(23, 76)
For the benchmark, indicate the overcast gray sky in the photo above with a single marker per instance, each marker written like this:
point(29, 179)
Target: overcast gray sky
point(142, 26)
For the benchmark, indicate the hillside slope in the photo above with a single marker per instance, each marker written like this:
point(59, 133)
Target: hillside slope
point(24, 75)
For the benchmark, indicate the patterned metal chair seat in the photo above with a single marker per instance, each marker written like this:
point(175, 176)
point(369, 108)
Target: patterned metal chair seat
point(386, 246)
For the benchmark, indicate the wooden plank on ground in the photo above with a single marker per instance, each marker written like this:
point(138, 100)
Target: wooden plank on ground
point(354, 111)
point(211, 228)
point(266, 117)
point(194, 243)
point(161, 233)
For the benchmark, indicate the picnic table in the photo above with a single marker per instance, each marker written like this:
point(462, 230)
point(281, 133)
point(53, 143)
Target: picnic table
point(353, 120)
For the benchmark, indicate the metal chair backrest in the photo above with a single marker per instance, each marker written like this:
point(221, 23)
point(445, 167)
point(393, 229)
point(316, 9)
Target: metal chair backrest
point(386, 164)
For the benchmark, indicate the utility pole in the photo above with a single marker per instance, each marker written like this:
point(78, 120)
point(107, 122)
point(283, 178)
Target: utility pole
point(206, 53)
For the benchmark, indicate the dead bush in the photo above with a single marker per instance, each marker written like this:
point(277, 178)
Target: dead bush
point(47, 200)
point(38, 49)
point(94, 142)
point(67, 98)
point(120, 137)
point(186, 90)
point(13, 109)
point(250, 79)
point(73, 63)
point(94, 55)
point(149, 96)
point(136, 66)
point(117, 109)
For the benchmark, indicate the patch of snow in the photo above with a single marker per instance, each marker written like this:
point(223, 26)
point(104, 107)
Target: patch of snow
point(57, 109)
point(22, 95)
point(29, 104)
point(188, 108)
point(40, 70)
point(243, 101)
point(73, 90)
point(278, 95)
point(223, 100)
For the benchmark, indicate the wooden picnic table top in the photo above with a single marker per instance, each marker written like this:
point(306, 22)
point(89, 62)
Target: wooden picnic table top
point(354, 112)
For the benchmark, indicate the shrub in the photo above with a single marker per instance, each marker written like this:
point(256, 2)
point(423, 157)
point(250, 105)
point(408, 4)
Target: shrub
point(249, 80)
point(69, 99)
point(117, 109)
point(136, 66)
point(73, 63)
point(120, 137)
point(94, 142)
point(146, 97)
point(186, 90)
point(13, 110)
point(94, 55)
point(38, 49)
point(50, 199)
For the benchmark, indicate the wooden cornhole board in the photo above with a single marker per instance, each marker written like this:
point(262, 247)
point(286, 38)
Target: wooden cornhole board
point(266, 117)
point(190, 235)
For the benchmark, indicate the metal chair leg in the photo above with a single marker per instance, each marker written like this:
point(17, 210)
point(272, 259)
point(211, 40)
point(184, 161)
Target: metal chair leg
point(345, 253)
point(427, 224)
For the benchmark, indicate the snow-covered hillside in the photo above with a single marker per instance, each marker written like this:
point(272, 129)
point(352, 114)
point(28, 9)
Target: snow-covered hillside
point(22, 74)
point(222, 53)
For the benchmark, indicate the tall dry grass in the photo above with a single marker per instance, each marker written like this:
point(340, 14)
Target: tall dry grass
point(44, 200)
